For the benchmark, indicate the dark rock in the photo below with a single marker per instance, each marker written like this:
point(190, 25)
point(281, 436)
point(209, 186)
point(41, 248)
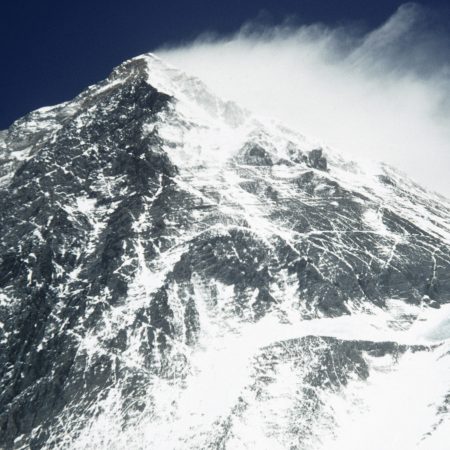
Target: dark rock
point(317, 160)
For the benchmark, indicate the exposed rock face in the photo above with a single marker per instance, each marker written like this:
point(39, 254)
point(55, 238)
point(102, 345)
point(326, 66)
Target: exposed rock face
point(56, 259)
point(317, 160)
point(146, 219)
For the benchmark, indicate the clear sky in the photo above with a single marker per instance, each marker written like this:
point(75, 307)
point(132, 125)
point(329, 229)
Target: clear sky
point(53, 49)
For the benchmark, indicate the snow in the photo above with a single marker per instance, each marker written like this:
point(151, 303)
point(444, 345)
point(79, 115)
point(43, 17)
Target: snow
point(432, 325)
point(208, 398)
point(393, 409)
point(373, 219)
point(213, 390)
point(396, 408)
point(86, 205)
point(21, 155)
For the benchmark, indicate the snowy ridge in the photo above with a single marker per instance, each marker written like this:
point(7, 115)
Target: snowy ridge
point(180, 275)
point(197, 105)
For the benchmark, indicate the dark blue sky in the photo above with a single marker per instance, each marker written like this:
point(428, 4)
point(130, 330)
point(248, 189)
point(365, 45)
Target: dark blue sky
point(53, 49)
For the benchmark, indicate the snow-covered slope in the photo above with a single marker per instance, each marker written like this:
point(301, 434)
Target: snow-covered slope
point(178, 274)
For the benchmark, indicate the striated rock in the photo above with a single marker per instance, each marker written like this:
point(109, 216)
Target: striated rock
point(150, 230)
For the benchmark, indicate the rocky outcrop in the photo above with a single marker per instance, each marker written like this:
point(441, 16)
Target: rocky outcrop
point(129, 226)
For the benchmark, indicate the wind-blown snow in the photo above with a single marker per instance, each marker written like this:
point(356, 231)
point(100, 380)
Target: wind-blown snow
point(381, 93)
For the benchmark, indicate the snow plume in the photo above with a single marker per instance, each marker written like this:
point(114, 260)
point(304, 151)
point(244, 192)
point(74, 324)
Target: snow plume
point(382, 94)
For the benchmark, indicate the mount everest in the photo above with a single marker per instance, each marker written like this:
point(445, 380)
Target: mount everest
point(176, 273)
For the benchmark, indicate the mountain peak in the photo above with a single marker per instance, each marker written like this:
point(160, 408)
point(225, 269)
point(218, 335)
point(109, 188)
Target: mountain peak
point(177, 272)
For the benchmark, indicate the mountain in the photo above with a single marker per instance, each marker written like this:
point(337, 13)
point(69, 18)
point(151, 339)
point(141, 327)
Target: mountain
point(176, 273)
